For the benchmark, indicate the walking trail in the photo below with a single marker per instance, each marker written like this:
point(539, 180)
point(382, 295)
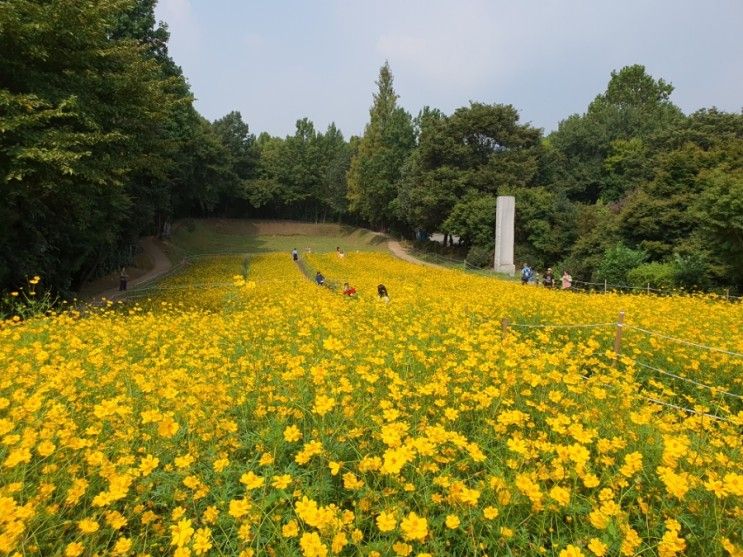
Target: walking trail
point(398, 251)
point(160, 265)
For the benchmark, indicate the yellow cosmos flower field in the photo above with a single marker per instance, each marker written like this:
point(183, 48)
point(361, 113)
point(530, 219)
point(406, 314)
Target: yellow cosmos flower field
point(239, 409)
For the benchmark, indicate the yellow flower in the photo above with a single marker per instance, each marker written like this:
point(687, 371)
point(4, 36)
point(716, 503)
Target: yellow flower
point(490, 512)
point(386, 522)
point(402, 549)
point(251, 480)
point(414, 527)
point(334, 468)
point(210, 515)
point(290, 529)
point(597, 547)
point(239, 508)
point(74, 549)
point(122, 546)
point(561, 495)
point(181, 533)
point(452, 521)
point(282, 481)
point(292, 434)
point(312, 546)
point(148, 464)
point(167, 427)
point(88, 526)
point(323, 404)
point(571, 551)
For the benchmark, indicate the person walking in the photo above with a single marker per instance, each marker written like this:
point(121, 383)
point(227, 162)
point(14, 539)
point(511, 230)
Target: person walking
point(549, 278)
point(567, 280)
point(526, 274)
point(319, 279)
point(123, 279)
point(295, 254)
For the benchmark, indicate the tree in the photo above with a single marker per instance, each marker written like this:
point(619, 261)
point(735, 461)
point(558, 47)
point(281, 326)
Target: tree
point(461, 163)
point(376, 167)
point(235, 135)
point(81, 114)
point(598, 155)
point(719, 209)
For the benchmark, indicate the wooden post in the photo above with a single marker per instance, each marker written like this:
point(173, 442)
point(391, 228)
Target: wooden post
point(648, 288)
point(618, 336)
point(605, 285)
point(504, 323)
point(727, 295)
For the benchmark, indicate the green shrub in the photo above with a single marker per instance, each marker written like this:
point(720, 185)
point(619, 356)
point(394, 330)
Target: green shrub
point(691, 271)
point(657, 275)
point(480, 257)
point(617, 263)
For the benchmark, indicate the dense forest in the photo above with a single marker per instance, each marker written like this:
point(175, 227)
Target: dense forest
point(100, 143)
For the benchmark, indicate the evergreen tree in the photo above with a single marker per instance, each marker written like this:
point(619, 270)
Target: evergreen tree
point(376, 167)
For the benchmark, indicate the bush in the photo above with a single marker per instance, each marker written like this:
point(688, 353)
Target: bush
point(480, 257)
point(691, 271)
point(617, 263)
point(657, 275)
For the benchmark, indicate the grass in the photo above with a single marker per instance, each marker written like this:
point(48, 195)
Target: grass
point(207, 236)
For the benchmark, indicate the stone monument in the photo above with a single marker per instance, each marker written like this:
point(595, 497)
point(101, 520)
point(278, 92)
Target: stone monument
point(504, 222)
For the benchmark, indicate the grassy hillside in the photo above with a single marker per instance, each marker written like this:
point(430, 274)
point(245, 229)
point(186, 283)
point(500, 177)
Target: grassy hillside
point(201, 236)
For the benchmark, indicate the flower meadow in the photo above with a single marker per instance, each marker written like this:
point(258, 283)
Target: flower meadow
point(239, 409)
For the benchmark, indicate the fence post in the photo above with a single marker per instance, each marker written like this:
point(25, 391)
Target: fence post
point(648, 288)
point(618, 336)
point(504, 323)
point(727, 295)
point(605, 285)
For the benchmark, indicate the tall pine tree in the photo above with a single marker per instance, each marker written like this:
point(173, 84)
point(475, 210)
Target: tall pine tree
point(376, 167)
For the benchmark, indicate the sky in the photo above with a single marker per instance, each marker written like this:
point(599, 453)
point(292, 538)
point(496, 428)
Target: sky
point(277, 61)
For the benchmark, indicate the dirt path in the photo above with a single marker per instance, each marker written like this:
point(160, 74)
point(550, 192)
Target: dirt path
point(398, 251)
point(160, 265)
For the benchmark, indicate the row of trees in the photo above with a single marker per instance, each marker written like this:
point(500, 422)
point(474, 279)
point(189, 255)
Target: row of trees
point(632, 190)
point(100, 143)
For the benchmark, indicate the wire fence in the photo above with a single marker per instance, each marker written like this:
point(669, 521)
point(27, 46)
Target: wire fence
point(685, 342)
point(715, 390)
point(619, 326)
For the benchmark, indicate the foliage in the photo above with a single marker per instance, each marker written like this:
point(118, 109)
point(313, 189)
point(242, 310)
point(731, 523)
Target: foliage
point(26, 302)
point(617, 263)
point(656, 275)
point(376, 165)
point(719, 209)
point(480, 256)
point(84, 146)
point(461, 163)
point(691, 271)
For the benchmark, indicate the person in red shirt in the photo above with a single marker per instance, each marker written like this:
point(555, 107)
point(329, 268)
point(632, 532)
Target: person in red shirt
point(348, 290)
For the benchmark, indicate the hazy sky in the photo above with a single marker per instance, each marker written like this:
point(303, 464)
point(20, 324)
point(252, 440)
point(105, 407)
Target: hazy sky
point(278, 60)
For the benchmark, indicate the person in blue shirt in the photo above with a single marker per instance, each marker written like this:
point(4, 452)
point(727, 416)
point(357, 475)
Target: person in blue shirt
point(319, 279)
point(526, 274)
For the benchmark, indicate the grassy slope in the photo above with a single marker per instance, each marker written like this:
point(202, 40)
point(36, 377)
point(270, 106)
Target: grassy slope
point(204, 236)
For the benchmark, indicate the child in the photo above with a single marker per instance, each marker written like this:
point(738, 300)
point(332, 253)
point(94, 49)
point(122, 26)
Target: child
point(348, 290)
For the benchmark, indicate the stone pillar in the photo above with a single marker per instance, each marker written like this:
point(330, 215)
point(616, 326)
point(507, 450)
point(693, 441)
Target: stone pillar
point(504, 224)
